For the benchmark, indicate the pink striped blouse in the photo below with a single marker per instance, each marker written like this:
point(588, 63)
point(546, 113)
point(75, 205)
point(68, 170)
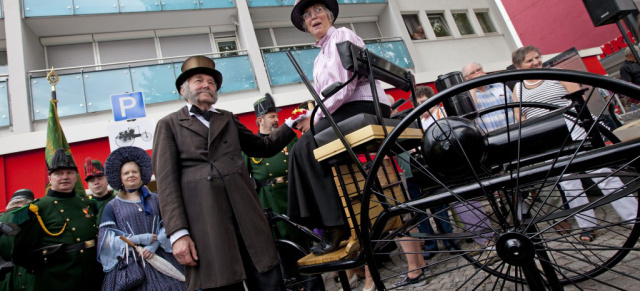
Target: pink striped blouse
point(327, 69)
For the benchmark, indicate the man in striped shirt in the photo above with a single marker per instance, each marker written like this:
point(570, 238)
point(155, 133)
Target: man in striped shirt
point(488, 96)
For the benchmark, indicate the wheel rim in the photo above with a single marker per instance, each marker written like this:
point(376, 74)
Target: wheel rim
point(564, 255)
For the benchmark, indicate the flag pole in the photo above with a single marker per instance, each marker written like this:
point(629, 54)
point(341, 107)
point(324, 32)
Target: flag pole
point(53, 79)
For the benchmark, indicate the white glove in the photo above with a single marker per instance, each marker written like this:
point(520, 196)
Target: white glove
point(291, 123)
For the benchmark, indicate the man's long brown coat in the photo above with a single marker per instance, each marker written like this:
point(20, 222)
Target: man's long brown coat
point(203, 186)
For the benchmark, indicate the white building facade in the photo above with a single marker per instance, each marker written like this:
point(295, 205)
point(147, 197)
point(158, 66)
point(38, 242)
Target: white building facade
point(105, 47)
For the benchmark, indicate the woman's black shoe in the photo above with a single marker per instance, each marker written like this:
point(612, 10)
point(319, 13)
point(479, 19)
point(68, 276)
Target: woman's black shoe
point(330, 241)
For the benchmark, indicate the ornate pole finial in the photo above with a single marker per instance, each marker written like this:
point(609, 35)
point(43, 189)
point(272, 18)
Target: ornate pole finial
point(53, 79)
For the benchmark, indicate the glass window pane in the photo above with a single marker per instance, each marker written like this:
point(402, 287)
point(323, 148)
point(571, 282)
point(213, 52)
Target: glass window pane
point(485, 22)
point(179, 4)
point(95, 7)
point(127, 50)
point(206, 4)
point(185, 45)
point(47, 7)
point(70, 55)
point(5, 119)
point(439, 25)
point(280, 69)
point(414, 27)
point(102, 84)
point(463, 23)
point(237, 74)
point(393, 51)
point(228, 45)
point(139, 5)
point(157, 83)
point(262, 3)
point(68, 91)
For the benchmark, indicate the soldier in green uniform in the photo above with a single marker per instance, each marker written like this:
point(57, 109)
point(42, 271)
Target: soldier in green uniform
point(13, 277)
point(57, 240)
point(97, 182)
point(270, 174)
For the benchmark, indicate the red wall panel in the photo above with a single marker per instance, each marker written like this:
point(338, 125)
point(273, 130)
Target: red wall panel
point(28, 169)
point(555, 26)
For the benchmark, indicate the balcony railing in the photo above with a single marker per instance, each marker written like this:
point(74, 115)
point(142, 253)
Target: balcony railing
point(35, 8)
point(269, 3)
point(5, 119)
point(281, 71)
point(90, 91)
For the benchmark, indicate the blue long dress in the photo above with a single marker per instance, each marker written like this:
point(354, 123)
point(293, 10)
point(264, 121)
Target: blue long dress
point(129, 218)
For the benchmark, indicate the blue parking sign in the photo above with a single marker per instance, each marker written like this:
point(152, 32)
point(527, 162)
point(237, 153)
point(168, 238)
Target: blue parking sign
point(128, 106)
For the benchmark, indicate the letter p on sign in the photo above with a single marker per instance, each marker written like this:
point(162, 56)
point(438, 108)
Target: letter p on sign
point(128, 106)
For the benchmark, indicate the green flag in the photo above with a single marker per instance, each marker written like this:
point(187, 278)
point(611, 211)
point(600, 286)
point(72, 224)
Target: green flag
point(56, 140)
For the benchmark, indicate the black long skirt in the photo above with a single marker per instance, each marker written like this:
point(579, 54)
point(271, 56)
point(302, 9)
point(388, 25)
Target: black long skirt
point(313, 197)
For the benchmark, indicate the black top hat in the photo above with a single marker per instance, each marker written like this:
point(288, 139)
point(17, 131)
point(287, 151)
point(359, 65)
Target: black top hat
point(123, 155)
point(199, 65)
point(264, 105)
point(92, 168)
point(301, 5)
point(23, 193)
point(61, 160)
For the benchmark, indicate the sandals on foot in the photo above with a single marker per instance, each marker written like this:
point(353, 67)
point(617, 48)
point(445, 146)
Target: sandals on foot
point(588, 236)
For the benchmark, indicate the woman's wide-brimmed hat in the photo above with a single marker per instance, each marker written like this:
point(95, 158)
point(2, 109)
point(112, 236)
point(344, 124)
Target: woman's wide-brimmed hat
point(123, 155)
point(301, 5)
point(199, 65)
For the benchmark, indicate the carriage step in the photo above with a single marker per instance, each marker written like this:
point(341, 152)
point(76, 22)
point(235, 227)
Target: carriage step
point(347, 247)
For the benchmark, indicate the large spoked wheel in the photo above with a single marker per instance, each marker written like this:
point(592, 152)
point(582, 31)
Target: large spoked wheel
point(527, 205)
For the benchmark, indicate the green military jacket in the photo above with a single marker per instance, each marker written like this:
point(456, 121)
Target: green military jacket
point(18, 279)
point(57, 242)
point(273, 196)
point(102, 202)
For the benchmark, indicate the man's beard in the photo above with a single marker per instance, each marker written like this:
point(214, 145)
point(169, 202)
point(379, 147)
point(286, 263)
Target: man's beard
point(193, 96)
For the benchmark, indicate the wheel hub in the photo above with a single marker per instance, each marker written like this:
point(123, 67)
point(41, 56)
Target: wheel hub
point(515, 249)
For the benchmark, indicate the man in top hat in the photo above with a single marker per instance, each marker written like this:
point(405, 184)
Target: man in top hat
point(210, 208)
point(97, 182)
point(57, 240)
point(13, 277)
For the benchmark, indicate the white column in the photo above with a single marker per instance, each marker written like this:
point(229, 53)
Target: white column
point(512, 30)
point(248, 34)
point(18, 79)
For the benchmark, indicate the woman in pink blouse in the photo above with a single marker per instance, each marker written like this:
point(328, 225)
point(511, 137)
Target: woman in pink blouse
point(313, 198)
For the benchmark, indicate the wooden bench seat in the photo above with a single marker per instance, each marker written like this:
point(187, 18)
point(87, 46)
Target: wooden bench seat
point(350, 183)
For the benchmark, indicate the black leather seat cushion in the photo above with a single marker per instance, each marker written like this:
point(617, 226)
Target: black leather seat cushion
point(352, 124)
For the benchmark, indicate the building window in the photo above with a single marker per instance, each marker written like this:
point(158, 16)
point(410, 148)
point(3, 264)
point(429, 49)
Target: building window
point(439, 25)
point(414, 27)
point(463, 23)
point(4, 69)
point(485, 22)
point(367, 30)
point(183, 45)
point(127, 50)
point(70, 55)
point(226, 43)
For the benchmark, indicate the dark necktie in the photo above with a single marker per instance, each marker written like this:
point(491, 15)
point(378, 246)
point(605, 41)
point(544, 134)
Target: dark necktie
point(206, 114)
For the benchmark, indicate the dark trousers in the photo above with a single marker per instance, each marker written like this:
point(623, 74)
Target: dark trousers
point(270, 280)
point(313, 197)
